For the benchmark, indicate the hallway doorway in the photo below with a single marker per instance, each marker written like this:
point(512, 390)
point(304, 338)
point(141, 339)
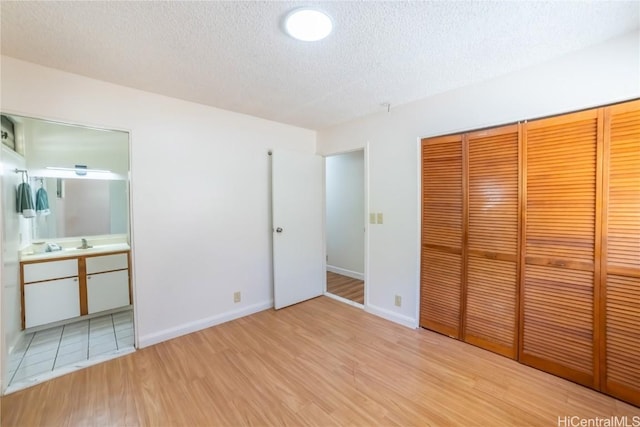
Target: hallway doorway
point(345, 226)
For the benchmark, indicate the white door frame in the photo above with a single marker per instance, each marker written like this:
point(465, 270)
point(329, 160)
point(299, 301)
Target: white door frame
point(365, 150)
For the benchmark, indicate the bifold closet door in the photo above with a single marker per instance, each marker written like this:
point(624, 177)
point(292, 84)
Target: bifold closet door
point(621, 252)
point(561, 242)
point(492, 254)
point(441, 260)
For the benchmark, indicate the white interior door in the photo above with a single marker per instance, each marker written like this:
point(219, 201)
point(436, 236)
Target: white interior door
point(298, 253)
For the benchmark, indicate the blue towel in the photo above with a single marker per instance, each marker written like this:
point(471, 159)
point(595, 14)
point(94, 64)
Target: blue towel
point(42, 202)
point(24, 201)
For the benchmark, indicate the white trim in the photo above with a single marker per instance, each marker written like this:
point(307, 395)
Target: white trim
point(367, 226)
point(390, 315)
point(345, 272)
point(419, 220)
point(344, 300)
point(187, 328)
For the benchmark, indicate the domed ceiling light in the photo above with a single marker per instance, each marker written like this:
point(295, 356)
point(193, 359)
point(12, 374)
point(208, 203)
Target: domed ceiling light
point(308, 24)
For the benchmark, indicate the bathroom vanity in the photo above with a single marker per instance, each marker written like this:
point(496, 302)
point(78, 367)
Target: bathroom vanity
point(74, 282)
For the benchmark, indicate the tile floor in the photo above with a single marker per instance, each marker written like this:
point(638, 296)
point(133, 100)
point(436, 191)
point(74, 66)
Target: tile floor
point(43, 354)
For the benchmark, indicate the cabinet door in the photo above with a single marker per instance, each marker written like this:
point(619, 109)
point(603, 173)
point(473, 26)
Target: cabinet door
point(560, 246)
point(441, 260)
point(47, 302)
point(621, 252)
point(107, 290)
point(492, 255)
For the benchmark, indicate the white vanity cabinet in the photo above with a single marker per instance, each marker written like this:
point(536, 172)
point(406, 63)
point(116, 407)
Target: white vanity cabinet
point(64, 288)
point(51, 292)
point(107, 282)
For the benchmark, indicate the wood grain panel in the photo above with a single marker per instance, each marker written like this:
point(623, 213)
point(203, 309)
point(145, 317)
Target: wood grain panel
point(558, 321)
point(442, 192)
point(493, 192)
point(491, 283)
point(623, 219)
point(623, 333)
point(442, 234)
point(620, 313)
point(440, 291)
point(491, 305)
point(560, 243)
point(561, 189)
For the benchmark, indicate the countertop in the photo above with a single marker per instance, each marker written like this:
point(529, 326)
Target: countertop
point(74, 252)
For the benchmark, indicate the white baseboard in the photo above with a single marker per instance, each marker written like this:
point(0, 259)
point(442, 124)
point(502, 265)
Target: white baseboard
point(401, 319)
point(187, 328)
point(345, 272)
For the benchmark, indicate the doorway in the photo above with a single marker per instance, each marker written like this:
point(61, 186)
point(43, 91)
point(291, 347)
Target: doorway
point(345, 226)
point(66, 289)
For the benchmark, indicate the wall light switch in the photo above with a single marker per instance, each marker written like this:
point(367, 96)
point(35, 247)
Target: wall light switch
point(237, 297)
point(372, 218)
point(398, 301)
point(380, 218)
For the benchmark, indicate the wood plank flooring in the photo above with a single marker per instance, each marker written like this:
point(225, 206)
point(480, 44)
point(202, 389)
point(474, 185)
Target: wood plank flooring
point(345, 287)
point(321, 363)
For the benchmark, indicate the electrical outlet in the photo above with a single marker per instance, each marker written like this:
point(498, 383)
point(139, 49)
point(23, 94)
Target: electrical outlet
point(398, 301)
point(237, 296)
point(372, 218)
point(380, 218)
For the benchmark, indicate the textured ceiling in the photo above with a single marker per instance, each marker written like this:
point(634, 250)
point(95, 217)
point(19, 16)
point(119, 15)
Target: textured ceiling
point(234, 55)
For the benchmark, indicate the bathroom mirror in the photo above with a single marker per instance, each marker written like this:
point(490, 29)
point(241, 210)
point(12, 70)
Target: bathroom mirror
point(81, 207)
point(84, 172)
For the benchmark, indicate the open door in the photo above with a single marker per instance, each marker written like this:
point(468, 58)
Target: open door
point(298, 253)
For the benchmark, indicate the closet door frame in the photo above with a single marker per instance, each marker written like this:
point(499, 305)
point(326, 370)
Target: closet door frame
point(478, 341)
point(592, 380)
point(616, 390)
point(453, 332)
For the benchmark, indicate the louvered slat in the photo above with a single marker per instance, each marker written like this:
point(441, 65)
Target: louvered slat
point(491, 285)
point(558, 313)
point(560, 244)
point(440, 291)
point(561, 184)
point(621, 267)
point(441, 258)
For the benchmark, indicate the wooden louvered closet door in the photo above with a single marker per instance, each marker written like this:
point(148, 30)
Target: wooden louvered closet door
point(560, 280)
point(441, 261)
point(492, 254)
point(621, 252)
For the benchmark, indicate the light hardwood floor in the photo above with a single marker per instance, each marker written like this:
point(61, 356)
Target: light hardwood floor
point(345, 287)
point(320, 362)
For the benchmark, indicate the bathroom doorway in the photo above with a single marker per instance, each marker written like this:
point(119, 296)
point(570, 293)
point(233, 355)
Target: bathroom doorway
point(345, 226)
point(66, 293)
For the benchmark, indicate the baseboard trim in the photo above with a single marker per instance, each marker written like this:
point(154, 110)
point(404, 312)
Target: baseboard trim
point(187, 328)
point(345, 272)
point(390, 315)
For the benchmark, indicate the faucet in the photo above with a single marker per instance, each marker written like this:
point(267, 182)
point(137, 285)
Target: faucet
point(84, 245)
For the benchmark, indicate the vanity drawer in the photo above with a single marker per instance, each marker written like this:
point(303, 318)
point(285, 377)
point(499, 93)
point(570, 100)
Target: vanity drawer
point(98, 264)
point(40, 271)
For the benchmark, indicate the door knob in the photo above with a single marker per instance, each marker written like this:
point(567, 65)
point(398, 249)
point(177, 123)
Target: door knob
point(279, 230)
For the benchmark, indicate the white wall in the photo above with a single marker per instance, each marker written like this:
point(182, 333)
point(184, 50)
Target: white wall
point(10, 310)
point(603, 74)
point(345, 213)
point(193, 244)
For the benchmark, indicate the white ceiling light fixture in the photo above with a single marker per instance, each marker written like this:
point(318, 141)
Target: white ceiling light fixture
point(308, 24)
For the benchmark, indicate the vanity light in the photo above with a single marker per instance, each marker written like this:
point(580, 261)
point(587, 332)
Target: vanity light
point(78, 171)
point(308, 24)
